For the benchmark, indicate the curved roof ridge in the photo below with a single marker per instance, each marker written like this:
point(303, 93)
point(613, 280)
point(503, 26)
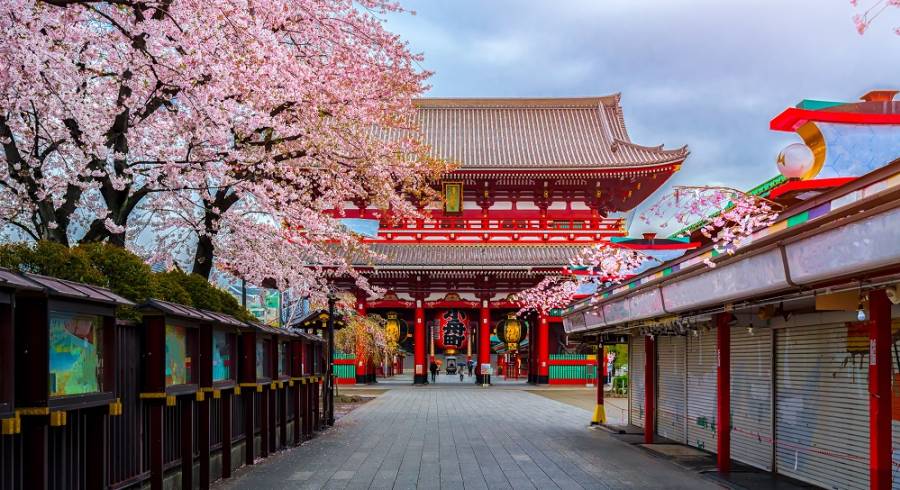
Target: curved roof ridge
point(516, 102)
point(657, 148)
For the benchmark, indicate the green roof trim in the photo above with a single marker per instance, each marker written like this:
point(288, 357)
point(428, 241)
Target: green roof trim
point(766, 187)
point(817, 105)
point(798, 219)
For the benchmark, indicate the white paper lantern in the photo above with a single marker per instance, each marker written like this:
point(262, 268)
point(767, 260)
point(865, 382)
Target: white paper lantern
point(795, 161)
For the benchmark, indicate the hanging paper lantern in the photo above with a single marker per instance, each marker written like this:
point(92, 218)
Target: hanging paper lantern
point(395, 328)
point(453, 330)
point(511, 331)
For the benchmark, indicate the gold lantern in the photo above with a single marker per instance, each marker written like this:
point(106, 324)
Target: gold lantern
point(511, 331)
point(394, 328)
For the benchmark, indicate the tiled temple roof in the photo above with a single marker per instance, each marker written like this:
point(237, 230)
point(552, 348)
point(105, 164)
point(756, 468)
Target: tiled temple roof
point(427, 256)
point(536, 133)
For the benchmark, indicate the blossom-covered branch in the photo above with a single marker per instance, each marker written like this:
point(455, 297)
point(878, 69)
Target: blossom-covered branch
point(214, 126)
point(864, 20)
point(728, 216)
point(601, 263)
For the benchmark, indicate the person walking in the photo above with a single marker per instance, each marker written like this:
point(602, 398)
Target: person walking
point(462, 374)
point(434, 369)
point(471, 366)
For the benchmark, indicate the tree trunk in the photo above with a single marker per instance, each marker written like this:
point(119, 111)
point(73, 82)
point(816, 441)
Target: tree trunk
point(213, 209)
point(203, 257)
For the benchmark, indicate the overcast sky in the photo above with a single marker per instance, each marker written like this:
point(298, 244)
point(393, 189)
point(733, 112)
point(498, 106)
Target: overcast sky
point(709, 74)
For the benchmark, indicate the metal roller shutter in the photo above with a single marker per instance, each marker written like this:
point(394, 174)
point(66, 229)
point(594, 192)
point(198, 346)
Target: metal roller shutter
point(751, 397)
point(701, 389)
point(822, 405)
point(671, 390)
point(895, 424)
point(636, 381)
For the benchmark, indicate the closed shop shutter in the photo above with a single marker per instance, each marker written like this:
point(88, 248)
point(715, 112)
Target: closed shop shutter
point(822, 406)
point(671, 390)
point(701, 389)
point(895, 407)
point(751, 397)
point(636, 381)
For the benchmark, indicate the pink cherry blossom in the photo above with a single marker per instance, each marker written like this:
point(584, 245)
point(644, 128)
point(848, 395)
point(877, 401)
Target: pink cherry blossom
point(729, 216)
point(602, 264)
point(871, 11)
point(208, 128)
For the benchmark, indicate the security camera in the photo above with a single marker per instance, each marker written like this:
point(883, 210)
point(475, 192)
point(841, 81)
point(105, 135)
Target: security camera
point(893, 293)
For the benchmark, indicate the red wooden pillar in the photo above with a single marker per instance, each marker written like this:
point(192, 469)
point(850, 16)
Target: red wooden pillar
point(156, 410)
point(187, 444)
point(599, 410)
point(316, 417)
point(879, 391)
point(35, 452)
point(247, 377)
point(203, 417)
point(304, 403)
point(98, 428)
point(227, 401)
point(362, 364)
point(264, 422)
point(420, 371)
point(298, 413)
point(249, 426)
point(484, 342)
point(649, 389)
point(282, 407)
point(723, 392)
point(543, 344)
point(532, 353)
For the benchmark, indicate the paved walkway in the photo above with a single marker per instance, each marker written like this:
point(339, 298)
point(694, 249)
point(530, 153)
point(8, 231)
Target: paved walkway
point(465, 438)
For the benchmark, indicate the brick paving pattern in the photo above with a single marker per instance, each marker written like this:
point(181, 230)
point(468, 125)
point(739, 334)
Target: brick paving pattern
point(464, 438)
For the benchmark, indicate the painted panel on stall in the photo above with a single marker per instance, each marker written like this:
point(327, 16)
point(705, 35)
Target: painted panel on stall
point(75, 341)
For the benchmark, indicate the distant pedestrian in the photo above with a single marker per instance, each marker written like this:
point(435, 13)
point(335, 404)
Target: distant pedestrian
point(434, 369)
point(470, 366)
point(462, 374)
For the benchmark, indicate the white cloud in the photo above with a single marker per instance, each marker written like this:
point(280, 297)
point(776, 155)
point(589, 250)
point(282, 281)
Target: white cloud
point(709, 74)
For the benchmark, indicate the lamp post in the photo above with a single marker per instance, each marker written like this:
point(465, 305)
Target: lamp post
point(329, 373)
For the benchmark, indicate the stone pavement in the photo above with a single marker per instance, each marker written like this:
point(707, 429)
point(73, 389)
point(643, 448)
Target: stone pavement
point(461, 438)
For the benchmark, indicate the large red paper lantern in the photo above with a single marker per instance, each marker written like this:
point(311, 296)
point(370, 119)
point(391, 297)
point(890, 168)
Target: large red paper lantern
point(452, 331)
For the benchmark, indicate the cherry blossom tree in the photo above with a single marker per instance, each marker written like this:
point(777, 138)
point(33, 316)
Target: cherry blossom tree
point(864, 20)
point(233, 124)
point(602, 263)
point(728, 216)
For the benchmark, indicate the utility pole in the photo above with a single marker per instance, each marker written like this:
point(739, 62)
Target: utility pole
point(329, 373)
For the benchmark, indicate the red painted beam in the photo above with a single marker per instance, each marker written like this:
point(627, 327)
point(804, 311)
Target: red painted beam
point(385, 304)
point(807, 185)
point(572, 362)
point(792, 118)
